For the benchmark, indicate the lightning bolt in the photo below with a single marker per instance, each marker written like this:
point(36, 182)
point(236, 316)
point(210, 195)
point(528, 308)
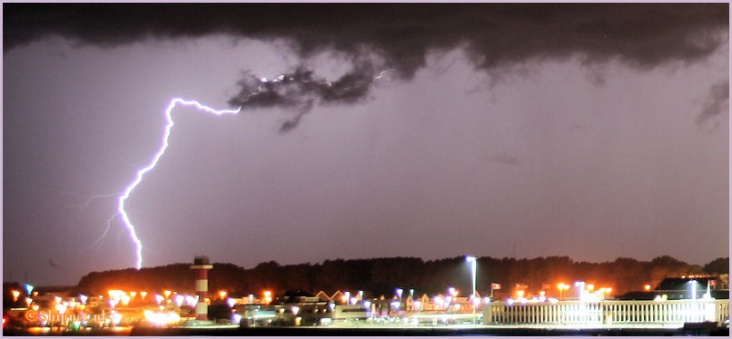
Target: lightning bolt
point(122, 200)
point(263, 85)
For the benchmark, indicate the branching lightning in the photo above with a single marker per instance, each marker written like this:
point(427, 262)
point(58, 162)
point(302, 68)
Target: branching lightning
point(298, 89)
point(122, 200)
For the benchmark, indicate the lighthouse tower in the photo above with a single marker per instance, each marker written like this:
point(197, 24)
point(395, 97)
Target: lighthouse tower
point(201, 266)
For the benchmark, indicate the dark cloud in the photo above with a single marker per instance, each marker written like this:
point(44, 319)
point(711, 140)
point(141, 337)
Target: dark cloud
point(643, 34)
point(494, 35)
point(300, 89)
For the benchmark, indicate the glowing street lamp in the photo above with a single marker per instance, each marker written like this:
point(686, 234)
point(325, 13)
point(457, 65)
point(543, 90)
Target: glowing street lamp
point(267, 297)
point(222, 294)
point(562, 287)
point(179, 300)
point(693, 289)
point(29, 289)
point(125, 299)
point(295, 310)
point(191, 301)
point(16, 294)
point(346, 297)
point(474, 261)
point(581, 289)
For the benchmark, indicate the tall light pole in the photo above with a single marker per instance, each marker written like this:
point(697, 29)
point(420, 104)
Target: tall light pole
point(693, 289)
point(474, 261)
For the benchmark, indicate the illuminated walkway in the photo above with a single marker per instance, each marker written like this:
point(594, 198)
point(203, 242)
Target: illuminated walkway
point(608, 313)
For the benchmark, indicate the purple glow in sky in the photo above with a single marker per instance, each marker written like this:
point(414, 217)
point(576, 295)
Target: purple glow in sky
point(593, 131)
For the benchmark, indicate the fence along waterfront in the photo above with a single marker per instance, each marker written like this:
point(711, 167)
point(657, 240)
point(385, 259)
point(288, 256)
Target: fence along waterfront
point(608, 312)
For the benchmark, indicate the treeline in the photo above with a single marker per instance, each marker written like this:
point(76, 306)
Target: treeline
point(381, 276)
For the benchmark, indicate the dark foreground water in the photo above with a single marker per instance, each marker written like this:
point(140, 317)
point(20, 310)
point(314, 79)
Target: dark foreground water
point(395, 331)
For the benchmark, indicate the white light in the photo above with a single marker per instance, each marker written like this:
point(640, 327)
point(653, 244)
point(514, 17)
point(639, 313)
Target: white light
point(693, 289)
point(116, 318)
point(28, 289)
point(191, 301)
point(231, 302)
point(179, 300)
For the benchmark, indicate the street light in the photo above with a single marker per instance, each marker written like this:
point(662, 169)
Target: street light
point(474, 261)
point(28, 289)
point(562, 287)
point(693, 289)
point(581, 287)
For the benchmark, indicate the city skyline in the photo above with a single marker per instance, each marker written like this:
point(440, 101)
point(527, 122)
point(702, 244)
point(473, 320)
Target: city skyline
point(588, 131)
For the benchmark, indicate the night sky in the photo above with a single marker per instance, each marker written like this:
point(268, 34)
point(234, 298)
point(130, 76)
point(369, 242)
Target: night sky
point(431, 131)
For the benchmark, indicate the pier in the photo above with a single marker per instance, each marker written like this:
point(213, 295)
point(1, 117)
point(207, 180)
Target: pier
point(608, 313)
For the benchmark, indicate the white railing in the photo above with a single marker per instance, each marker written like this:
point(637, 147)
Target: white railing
point(608, 312)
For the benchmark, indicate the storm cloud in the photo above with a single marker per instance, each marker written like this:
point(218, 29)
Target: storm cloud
point(495, 34)
point(566, 129)
point(495, 37)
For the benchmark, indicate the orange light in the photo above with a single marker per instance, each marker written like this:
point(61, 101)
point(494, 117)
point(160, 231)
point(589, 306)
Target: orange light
point(267, 297)
point(222, 294)
point(116, 294)
point(647, 287)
